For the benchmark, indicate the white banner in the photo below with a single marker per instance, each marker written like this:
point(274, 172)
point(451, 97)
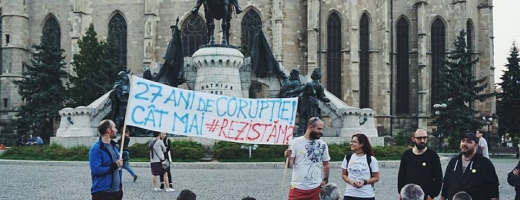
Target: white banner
point(158, 107)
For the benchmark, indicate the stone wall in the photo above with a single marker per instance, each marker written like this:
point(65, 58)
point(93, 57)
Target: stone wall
point(296, 31)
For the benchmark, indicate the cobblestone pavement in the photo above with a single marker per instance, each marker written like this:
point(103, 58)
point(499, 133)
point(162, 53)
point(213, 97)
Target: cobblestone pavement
point(73, 182)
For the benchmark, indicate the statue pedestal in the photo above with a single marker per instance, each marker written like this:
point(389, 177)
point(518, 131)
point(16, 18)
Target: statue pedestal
point(218, 70)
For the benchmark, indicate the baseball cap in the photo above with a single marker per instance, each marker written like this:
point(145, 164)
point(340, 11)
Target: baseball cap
point(471, 136)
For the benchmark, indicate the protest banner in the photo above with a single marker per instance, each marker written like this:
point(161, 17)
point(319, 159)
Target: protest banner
point(158, 107)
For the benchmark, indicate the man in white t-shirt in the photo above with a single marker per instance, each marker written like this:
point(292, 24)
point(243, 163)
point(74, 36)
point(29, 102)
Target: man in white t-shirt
point(482, 143)
point(309, 158)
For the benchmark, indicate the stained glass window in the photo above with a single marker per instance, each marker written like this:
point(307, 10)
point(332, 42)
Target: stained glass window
point(438, 40)
point(52, 24)
point(364, 75)
point(251, 25)
point(403, 69)
point(194, 34)
point(117, 29)
point(334, 55)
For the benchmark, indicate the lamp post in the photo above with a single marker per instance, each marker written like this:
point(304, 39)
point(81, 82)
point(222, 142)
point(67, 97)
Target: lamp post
point(488, 120)
point(438, 110)
point(250, 148)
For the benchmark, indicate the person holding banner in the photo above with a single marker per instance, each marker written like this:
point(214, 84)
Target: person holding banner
point(309, 157)
point(104, 162)
point(157, 150)
point(167, 155)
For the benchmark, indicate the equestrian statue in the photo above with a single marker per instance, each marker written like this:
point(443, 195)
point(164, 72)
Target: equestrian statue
point(219, 10)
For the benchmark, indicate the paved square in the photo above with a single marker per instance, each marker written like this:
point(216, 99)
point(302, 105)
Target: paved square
point(73, 182)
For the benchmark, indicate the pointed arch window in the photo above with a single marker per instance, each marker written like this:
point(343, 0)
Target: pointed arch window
point(403, 68)
point(251, 25)
point(117, 30)
point(193, 34)
point(52, 24)
point(470, 36)
point(438, 45)
point(364, 73)
point(334, 55)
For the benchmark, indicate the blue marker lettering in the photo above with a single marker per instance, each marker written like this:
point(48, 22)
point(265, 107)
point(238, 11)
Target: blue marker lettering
point(134, 114)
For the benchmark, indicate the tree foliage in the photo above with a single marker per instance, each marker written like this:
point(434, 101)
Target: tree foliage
point(95, 70)
point(42, 87)
point(508, 106)
point(458, 88)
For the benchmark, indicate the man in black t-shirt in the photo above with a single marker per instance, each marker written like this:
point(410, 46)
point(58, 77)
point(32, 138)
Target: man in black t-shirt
point(421, 166)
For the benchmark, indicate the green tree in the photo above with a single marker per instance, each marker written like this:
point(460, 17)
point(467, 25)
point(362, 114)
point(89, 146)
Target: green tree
point(509, 105)
point(95, 69)
point(458, 88)
point(42, 87)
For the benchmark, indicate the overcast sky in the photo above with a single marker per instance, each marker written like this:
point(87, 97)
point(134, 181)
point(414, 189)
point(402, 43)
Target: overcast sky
point(506, 30)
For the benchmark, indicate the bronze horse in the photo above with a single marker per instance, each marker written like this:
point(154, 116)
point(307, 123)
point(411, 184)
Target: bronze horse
point(219, 10)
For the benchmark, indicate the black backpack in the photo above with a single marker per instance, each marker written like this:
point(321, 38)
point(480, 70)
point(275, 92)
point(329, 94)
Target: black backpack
point(369, 161)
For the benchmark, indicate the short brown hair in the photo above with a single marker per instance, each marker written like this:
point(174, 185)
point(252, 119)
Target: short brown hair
point(480, 131)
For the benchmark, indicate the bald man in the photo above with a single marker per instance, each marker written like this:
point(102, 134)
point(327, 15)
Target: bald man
point(423, 161)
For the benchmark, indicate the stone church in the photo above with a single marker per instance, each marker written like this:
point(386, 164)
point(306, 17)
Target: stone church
point(378, 54)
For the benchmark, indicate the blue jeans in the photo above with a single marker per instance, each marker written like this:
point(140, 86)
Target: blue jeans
point(128, 168)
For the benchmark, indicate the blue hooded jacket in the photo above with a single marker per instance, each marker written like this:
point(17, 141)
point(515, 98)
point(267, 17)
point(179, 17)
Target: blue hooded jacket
point(100, 167)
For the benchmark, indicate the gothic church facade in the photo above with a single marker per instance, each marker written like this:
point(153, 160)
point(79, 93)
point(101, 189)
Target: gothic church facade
point(378, 54)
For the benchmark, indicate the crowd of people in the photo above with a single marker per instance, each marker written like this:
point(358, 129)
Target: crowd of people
point(470, 175)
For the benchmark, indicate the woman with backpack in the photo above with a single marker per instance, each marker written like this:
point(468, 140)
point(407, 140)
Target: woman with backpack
point(157, 158)
point(167, 156)
point(360, 169)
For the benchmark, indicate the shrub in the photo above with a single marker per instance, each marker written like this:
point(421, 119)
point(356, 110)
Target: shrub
point(47, 152)
point(186, 150)
point(228, 150)
point(181, 150)
point(401, 139)
point(139, 150)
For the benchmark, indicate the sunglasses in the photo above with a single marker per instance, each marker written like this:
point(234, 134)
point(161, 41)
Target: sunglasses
point(315, 119)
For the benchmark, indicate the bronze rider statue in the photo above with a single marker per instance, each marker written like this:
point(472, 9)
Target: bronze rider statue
point(199, 3)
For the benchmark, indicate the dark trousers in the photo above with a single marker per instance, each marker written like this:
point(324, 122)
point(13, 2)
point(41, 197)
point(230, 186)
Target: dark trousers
point(358, 198)
point(169, 178)
point(108, 195)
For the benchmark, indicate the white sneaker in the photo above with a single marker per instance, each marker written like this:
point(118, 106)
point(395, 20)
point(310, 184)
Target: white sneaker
point(169, 190)
point(156, 189)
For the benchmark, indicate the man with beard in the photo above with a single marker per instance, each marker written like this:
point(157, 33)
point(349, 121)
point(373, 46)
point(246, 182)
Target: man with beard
point(423, 161)
point(470, 172)
point(104, 163)
point(310, 157)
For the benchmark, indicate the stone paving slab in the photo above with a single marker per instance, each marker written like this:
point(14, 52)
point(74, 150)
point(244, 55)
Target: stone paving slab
point(193, 165)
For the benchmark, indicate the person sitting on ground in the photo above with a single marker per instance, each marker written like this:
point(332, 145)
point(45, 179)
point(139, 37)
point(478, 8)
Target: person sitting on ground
point(248, 198)
point(461, 196)
point(39, 140)
point(187, 195)
point(330, 191)
point(30, 140)
point(22, 141)
point(411, 192)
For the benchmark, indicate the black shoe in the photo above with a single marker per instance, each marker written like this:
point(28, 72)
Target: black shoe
point(135, 178)
point(162, 186)
point(239, 10)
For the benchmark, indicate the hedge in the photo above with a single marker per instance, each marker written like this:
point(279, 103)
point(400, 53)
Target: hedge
point(187, 150)
point(231, 151)
point(47, 152)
